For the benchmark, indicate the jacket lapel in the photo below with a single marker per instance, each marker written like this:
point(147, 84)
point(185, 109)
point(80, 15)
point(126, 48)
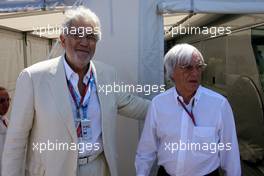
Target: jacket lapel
point(60, 92)
point(98, 76)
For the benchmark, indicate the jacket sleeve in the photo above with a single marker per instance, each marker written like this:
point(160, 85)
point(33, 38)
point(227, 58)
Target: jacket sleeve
point(20, 124)
point(130, 105)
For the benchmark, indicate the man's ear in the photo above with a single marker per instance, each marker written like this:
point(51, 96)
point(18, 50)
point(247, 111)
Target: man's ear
point(62, 39)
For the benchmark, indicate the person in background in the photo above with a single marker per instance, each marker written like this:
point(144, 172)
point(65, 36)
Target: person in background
point(4, 106)
point(189, 128)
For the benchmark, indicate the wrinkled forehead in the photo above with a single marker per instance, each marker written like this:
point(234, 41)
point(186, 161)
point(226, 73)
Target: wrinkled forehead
point(196, 58)
point(81, 22)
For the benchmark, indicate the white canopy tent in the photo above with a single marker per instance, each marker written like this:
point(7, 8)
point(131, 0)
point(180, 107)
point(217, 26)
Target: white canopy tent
point(212, 6)
point(140, 24)
point(164, 6)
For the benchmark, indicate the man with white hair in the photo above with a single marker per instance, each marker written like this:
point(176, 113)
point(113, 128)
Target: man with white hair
point(59, 118)
point(189, 128)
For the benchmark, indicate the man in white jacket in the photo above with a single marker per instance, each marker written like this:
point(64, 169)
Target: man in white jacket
point(67, 124)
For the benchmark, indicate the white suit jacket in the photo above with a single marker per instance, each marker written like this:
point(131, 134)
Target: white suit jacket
point(42, 112)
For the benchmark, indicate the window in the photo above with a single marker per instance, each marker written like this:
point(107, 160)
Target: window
point(258, 48)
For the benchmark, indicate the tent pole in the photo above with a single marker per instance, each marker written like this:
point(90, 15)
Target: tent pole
point(25, 49)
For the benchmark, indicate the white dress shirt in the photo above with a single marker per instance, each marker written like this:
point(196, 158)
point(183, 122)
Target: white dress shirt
point(93, 112)
point(168, 125)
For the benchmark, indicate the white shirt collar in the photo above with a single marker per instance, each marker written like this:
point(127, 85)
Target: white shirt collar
point(195, 97)
point(70, 74)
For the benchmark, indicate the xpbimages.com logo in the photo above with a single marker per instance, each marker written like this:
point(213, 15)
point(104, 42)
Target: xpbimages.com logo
point(192, 146)
point(64, 146)
point(212, 31)
point(57, 30)
point(130, 88)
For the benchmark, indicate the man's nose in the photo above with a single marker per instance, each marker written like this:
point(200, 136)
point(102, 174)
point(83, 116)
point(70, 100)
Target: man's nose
point(195, 72)
point(84, 41)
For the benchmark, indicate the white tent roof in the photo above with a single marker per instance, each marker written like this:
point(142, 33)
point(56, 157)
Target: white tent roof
point(164, 6)
point(29, 5)
point(42, 23)
point(212, 6)
point(171, 19)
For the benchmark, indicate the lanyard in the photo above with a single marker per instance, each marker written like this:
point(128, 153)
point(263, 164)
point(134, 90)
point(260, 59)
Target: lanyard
point(74, 94)
point(4, 122)
point(186, 110)
point(78, 106)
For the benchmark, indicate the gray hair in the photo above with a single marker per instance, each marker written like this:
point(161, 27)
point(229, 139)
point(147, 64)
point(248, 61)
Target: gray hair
point(82, 13)
point(179, 55)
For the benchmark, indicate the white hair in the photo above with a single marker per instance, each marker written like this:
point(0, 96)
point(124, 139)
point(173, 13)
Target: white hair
point(82, 13)
point(179, 55)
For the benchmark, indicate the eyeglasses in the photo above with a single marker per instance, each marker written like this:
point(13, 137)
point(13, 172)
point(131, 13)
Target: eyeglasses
point(199, 67)
point(89, 37)
point(3, 100)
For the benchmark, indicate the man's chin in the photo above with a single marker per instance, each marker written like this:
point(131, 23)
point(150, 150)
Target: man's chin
point(83, 59)
point(193, 87)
